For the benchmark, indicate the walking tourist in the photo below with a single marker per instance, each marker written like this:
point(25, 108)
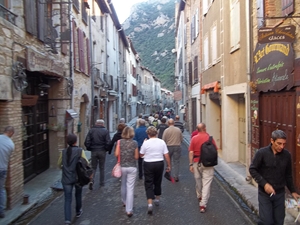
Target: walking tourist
point(97, 141)
point(127, 148)
point(178, 123)
point(271, 168)
point(203, 175)
point(67, 161)
point(173, 138)
point(154, 150)
point(161, 127)
point(6, 148)
point(117, 136)
point(140, 136)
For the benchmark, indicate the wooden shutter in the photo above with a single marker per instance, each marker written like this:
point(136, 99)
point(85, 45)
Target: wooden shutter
point(205, 52)
point(64, 25)
point(235, 26)
point(192, 30)
point(133, 72)
point(287, 7)
point(205, 7)
point(214, 44)
point(197, 23)
point(75, 43)
point(190, 73)
point(88, 56)
point(43, 26)
point(79, 47)
point(134, 90)
point(196, 69)
point(81, 50)
point(260, 13)
point(185, 38)
point(31, 17)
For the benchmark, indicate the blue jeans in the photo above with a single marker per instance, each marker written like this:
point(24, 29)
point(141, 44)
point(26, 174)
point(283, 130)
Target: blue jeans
point(2, 190)
point(68, 188)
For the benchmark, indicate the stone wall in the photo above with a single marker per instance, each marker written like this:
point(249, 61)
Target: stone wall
point(10, 115)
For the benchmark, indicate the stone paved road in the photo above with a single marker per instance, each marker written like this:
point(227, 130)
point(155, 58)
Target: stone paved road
point(178, 204)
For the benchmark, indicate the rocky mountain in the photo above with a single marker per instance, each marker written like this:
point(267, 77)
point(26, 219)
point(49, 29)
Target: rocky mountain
point(151, 27)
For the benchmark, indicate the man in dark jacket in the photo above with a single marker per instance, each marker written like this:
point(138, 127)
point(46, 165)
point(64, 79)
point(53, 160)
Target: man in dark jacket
point(161, 127)
point(178, 123)
point(140, 136)
point(271, 168)
point(97, 141)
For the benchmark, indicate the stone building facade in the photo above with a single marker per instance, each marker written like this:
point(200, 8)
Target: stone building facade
point(59, 74)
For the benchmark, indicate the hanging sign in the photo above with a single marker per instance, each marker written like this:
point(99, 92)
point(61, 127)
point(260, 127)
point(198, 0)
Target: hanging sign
point(273, 66)
point(277, 34)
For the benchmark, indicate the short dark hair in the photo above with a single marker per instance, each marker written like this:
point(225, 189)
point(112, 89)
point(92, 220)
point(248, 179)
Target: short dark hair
point(163, 120)
point(71, 139)
point(278, 134)
point(121, 127)
point(9, 129)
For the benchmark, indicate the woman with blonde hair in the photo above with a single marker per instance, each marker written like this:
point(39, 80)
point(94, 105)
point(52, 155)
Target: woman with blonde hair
point(154, 150)
point(127, 148)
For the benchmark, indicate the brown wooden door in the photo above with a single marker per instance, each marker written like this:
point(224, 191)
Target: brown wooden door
point(35, 139)
point(278, 111)
point(194, 114)
point(34, 129)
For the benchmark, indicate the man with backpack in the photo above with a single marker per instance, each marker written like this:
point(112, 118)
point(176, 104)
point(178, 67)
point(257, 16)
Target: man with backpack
point(161, 127)
point(178, 123)
point(203, 174)
point(156, 121)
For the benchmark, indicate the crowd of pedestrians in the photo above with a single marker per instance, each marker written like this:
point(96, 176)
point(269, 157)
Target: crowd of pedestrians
point(154, 142)
point(157, 148)
point(153, 146)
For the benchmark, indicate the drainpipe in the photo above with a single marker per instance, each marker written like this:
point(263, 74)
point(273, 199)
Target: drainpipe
point(106, 71)
point(249, 63)
point(71, 50)
point(91, 69)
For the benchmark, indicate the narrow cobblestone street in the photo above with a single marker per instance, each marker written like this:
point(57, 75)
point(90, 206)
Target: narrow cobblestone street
point(178, 204)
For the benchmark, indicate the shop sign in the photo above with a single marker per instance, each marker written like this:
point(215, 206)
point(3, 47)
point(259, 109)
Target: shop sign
point(277, 34)
point(177, 95)
point(273, 66)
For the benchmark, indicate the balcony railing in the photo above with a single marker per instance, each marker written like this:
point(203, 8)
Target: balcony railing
point(8, 15)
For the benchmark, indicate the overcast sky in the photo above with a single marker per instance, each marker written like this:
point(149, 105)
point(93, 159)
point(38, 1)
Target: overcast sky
point(122, 8)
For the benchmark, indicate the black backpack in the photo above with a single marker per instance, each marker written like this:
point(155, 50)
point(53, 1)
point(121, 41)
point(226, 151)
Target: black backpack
point(84, 171)
point(209, 154)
